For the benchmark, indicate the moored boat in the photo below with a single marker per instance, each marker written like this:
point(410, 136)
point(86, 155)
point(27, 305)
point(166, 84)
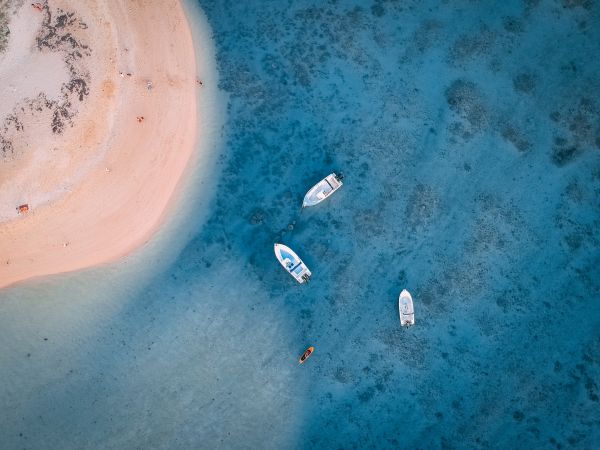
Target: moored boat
point(322, 189)
point(292, 263)
point(407, 311)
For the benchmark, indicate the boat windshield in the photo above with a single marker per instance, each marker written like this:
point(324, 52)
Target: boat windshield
point(286, 255)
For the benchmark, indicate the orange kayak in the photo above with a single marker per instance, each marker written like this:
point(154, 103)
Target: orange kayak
point(306, 354)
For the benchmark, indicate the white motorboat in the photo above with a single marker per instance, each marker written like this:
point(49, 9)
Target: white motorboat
point(292, 263)
point(322, 190)
point(407, 311)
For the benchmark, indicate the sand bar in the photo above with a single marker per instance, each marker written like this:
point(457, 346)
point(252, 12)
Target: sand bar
point(96, 137)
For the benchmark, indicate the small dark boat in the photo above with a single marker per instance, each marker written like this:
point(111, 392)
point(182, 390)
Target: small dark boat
point(306, 354)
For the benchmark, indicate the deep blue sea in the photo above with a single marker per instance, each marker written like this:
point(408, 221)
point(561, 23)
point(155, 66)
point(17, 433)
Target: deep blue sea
point(469, 136)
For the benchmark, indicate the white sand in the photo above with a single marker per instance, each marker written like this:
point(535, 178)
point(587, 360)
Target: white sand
point(103, 186)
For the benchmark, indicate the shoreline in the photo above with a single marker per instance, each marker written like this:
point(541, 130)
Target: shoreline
point(135, 173)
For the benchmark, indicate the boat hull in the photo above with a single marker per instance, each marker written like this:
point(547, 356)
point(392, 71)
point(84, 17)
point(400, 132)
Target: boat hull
point(292, 263)
point(306, 355)
point(322, 190)
point(406, 309)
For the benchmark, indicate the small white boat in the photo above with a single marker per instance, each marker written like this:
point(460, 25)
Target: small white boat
point(322, 190)
point(407, 311)
point(292, 263)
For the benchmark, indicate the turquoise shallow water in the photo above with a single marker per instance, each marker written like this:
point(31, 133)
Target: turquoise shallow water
point(469, 135)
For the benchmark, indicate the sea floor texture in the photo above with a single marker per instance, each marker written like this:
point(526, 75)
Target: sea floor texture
point(469, 137)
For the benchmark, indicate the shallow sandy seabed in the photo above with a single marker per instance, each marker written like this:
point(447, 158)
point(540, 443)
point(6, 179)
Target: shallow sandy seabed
point(98, 128)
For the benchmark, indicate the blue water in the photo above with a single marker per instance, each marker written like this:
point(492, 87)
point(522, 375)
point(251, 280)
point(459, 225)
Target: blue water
point(469, 136)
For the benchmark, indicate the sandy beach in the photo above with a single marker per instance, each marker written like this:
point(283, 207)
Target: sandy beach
point(97, 126)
